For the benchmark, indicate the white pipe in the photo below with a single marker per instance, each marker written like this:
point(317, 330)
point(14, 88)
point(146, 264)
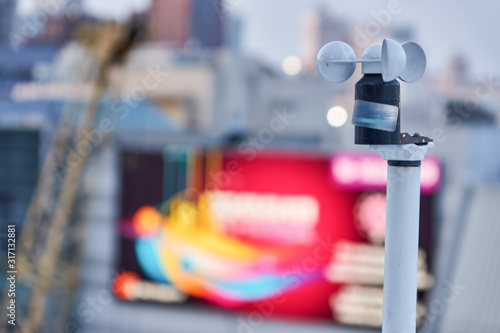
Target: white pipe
point(401, 249)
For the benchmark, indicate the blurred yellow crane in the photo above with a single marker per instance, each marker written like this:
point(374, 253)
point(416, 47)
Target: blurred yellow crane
point(44, 269)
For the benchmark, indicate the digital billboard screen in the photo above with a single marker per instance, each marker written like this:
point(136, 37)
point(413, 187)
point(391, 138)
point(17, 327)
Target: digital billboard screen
point(285, 233)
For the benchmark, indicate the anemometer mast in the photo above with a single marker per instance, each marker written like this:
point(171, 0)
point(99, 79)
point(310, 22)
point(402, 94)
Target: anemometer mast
point(377, 120)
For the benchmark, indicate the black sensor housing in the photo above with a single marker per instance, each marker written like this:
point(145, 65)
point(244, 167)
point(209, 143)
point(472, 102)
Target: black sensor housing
point(372, 88)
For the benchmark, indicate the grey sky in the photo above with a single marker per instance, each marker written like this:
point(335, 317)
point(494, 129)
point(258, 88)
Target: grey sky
point(272, 27)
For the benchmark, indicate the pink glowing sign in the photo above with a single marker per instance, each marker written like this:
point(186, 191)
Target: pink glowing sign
point(365, 171)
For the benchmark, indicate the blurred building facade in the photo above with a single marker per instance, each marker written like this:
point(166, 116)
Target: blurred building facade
point(168, 21)
point(179, 22)
point(7, 18)
point(206, 23)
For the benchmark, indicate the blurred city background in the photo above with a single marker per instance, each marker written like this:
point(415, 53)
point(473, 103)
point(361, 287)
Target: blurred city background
point(181, 166)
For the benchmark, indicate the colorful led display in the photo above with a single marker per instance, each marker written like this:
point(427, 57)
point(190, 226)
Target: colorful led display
point(272, 229)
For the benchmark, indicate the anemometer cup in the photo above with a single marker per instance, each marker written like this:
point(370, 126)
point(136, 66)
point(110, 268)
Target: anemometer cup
point(345, 61)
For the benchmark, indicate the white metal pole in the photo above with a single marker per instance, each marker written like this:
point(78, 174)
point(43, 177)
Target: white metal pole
point(401, 236)
point(401, 249)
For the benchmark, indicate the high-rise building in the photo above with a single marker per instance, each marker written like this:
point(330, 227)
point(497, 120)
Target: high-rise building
point(206, 23)
point(179, 22)
point(7, 15)
point(169, 21)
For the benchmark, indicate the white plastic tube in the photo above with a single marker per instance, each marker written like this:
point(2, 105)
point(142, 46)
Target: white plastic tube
point(401, 249)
